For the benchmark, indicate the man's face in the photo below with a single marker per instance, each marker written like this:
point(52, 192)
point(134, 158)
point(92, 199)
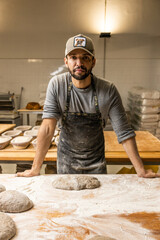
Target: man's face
point(79, 63)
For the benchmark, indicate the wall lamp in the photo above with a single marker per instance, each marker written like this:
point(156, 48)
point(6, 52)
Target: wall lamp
point(105, 35)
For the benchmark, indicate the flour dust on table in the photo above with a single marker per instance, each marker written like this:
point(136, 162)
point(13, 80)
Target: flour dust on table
point(98, 237)
point(72, 182)
point(12, 201)
point(2, 188)
point(7, 227)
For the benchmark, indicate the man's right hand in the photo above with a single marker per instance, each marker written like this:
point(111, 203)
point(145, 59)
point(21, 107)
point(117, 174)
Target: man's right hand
point(28, 173)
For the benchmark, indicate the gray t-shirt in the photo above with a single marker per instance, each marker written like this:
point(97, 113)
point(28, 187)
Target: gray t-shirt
point(82, 100)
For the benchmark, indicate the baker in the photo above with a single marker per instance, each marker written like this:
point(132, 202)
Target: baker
point(81, 103)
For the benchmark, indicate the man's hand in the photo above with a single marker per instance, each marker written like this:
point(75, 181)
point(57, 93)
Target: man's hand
point(28, 173)
point(148, 173)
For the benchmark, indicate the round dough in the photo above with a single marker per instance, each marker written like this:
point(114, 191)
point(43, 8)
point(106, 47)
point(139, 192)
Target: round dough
point(12, 201)
point(98, 237)
point(7, 227)
point(71, 182)
point(2, 188)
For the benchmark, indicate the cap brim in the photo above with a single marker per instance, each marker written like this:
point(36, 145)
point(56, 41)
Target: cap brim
point(79, 48)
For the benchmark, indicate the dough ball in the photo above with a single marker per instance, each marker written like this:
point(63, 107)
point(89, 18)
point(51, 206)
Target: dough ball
point(12, 201)
point(2, 188)
point(7, 227)
point(98, 237)
point(71, 182)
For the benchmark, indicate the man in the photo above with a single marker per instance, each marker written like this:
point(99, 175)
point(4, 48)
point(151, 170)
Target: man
point(81, 103)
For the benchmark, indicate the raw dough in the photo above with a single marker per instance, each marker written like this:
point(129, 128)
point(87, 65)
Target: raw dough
point(2, 188)
point(98, 237)
point(7, 227)
point(71, 182)
point(12, 201)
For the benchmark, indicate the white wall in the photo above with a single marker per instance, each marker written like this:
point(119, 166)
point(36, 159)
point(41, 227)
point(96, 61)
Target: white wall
point(38, 29)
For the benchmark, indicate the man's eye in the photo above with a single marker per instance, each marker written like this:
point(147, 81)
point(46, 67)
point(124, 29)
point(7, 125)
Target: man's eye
point(73, 57)
point(86, 58)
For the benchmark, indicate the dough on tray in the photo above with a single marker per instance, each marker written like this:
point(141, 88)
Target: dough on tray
point(7, 227)
point(72, 182)
point(2, 188)
point(12, 201)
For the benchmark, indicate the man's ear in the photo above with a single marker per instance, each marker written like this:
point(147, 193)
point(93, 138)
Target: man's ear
point(66, 61)
point(93, 62)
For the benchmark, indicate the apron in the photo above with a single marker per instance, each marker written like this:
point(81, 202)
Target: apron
point(81, 143)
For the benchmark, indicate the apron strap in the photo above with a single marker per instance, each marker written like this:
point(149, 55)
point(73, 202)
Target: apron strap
point(95, 95)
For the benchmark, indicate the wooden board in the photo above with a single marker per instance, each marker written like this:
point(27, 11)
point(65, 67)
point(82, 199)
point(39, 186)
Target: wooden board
point(24, 110)
point(146, 142)
point(6, 127)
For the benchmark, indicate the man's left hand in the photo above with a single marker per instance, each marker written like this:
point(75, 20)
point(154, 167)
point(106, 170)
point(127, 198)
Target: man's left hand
point(149, 174)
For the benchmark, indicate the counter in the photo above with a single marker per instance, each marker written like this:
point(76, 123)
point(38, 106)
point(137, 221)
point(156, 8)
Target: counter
point(124, 207)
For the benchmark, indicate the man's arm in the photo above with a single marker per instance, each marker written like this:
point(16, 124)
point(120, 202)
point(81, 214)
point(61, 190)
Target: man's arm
point(45, 135)
point(130, 147)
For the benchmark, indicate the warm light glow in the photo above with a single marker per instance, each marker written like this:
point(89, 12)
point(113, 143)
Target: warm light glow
point(114, 20)
point(32, 60)
point(110, 24)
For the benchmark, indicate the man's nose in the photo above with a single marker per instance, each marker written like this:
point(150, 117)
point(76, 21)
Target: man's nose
point(79, 61)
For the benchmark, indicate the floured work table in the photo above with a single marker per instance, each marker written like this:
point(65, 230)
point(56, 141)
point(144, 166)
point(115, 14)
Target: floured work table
point(124, 207)
point(148, 146)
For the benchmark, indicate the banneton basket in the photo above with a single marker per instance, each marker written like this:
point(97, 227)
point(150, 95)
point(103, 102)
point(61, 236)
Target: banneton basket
point(21, 142)
point(31, 133)
point(36, 128)
point(34, 143)
point(4, 141)
point(12, 133)
point(23, 128)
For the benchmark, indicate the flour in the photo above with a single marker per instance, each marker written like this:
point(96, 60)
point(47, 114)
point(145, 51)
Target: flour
point(98, 237)
point(57, 213)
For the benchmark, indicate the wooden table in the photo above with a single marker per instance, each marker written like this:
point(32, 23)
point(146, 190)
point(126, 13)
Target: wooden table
point(6, 127)
point(148, 146)
point(27, 112)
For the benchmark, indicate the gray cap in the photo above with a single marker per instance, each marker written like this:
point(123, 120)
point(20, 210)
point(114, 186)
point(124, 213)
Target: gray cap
point(80, 42)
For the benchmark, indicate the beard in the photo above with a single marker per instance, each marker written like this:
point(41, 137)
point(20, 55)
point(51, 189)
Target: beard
point(80, 77)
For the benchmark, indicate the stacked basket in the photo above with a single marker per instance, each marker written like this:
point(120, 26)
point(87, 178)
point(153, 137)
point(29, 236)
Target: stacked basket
point(144, 106)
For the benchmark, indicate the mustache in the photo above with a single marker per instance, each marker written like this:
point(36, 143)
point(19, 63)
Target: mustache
point(82, 67)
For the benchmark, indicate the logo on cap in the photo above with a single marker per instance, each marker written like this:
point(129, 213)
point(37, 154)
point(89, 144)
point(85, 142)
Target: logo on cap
point(79, 42)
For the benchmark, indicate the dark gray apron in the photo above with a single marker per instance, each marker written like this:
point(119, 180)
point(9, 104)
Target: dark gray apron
point(81, 144)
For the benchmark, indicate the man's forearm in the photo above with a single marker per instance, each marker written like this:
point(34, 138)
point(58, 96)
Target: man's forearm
point(130, 147)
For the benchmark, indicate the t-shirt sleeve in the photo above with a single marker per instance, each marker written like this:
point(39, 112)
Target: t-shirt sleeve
point(118, 116)
point(51, 106)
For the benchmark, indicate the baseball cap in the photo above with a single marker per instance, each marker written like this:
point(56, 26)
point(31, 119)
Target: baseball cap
point(80, 41)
